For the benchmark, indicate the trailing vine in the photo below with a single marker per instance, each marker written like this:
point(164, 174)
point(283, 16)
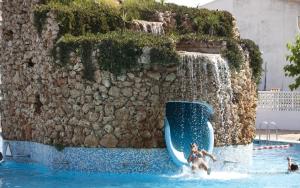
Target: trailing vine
point(233, 53)
point(79, 18)
point(256, 60)
point(100, 25)
point(118, 51)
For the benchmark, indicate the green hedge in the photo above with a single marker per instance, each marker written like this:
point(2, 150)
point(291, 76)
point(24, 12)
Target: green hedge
point(256, 60)
point(79, 18)
point(203, 21)
point(88, 25)
point(118, 51)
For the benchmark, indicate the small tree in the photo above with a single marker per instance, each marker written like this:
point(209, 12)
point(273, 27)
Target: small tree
point(293, 69)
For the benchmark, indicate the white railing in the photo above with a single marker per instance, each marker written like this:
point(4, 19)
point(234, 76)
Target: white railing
point(279, 100)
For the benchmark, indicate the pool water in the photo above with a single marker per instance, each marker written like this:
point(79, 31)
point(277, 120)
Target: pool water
point(268, 169)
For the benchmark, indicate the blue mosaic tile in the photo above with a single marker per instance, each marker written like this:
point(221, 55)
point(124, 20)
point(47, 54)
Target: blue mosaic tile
point(117, 160)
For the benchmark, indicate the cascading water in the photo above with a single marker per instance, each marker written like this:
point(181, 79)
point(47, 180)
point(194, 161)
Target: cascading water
point(149, 27)
point(202, 74)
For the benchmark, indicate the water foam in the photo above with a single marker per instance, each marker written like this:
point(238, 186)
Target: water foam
point(187, 174)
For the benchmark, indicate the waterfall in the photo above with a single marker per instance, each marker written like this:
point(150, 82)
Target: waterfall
point(206, 77)
point(149, 27)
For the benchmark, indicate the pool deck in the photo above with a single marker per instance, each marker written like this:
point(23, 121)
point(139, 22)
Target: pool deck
point(283, 135)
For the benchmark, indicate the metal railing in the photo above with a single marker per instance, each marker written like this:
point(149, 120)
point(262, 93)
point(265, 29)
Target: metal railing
point(268, 127)
point(279, 100)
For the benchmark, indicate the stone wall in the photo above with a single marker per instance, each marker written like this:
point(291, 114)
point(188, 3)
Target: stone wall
point(50, 104)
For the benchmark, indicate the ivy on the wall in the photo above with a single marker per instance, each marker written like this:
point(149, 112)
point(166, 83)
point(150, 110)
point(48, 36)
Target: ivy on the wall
point(79, 18)
point(100, 25)
point(256, 60)
point(118, 52)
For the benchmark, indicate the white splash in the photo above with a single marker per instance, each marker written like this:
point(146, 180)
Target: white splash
point(195, 70)
point(187, 175)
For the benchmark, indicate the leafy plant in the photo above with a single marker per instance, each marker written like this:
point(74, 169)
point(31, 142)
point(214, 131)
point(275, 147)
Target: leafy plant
point(256, 60)
point(293, 69)
point(134, 7)
point(119, 52)
point(233, 53)
point(80, 16)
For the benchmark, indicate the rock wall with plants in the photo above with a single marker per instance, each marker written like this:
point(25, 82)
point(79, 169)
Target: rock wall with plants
point(81, 73)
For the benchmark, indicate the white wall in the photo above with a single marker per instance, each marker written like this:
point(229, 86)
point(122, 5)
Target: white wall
point(289, 120)
point(271, 24)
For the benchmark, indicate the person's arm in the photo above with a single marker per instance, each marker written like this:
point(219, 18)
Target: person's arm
point(289, 163)
point(208, 154)
point(190, 157)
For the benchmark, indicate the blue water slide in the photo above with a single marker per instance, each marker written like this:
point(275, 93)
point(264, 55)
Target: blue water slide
point(186, 123)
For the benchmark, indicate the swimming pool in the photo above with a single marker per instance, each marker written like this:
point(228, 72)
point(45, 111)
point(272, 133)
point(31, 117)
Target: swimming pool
point(267, 169)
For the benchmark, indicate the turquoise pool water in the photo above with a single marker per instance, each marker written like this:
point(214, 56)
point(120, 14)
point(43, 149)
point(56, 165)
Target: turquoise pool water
point(268, 169)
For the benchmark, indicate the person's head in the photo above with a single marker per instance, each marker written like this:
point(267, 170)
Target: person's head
point(194, 147)
point(294, 167)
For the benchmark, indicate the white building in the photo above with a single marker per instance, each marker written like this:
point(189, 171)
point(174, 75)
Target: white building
point(271, 24)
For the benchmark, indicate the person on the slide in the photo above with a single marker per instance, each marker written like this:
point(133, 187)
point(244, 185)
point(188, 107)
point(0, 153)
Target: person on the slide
point(197, 158)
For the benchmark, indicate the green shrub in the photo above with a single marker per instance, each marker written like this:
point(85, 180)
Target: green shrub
point(204, 21)
point(119, 52)
point(233, 54)
point(256, 60)
point(80, 17)
point(134, 8)
point(95, 25)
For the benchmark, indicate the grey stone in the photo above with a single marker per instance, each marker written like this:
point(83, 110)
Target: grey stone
point(79, 86)
point(114, 91)
point(108, 128)
point(86, 108)
point(155, 90)
point(106, 83)
point(122, 114)
point(109, 141)
point(127, 92)
point(99, 109)
point(121, 78)
point(84, 123)
point(170, 77)
point(73, 121)
point(146, 134)
point(93, 116)
point(154, 75)
point(109, 110)
point(102, 89)
point(91, 141)
point(96, 126)
point(107, 119)
point(130, 75)
point(127, 84)
point(88, 90)
point(75, 93)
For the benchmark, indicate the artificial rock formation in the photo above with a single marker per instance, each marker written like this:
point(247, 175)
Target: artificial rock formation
point(47, 103)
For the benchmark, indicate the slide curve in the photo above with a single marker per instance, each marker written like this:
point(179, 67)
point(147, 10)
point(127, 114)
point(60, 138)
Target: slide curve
point(186, 123)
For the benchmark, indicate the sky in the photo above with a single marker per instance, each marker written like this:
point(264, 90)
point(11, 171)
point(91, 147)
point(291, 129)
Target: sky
point(190, 3)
